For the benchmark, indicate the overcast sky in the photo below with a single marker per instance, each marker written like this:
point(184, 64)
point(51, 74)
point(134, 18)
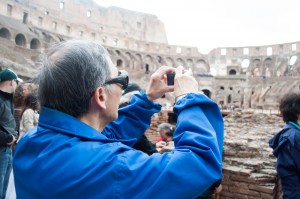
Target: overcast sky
point(221, 23)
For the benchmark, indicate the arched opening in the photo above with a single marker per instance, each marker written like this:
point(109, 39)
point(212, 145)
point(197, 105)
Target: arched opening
point(4, 33)
point(119, 63)
point(147, 69)
point(229, 99)
point(232, 72)
point(207, 92)
point(35, 44)
point(20, 40)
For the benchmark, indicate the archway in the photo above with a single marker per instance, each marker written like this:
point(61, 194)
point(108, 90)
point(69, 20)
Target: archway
point(20, 40)
point(4, 33)
point(35, 44)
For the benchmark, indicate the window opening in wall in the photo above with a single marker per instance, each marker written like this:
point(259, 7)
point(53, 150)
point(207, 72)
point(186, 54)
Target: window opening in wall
point(223, 51)
point(68, 29)
point(147, 69)
point(25, 18)
point(269, 51)
point(178, 50)
point(234, 51)
point(89, 13)
point(293, 60)
point(54, 25)
point(294, 47)
point(232, 72)
point(119, 63)
point(115, 42)
point(46, 12)
point(40, 21)
point(229, 99)
point(222, 88)
point(206, 92)
point(9, 9)
point(230, 88)
point(245, 63)
point(139, 24)
point(61, 5)
point(246, 51)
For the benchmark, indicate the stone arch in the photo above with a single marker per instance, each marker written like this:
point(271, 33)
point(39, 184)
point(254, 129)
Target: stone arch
point(20, 40)
point(160, 60)
point(201, 67)
point(148, 63)
point(267, 65)
point(129, 59)
point(5, 33)
point(268, 72)
point(190, 63)
point(35, 44)
point(119, 63)
point(180, 62)
point(232, 72)
point(137, 64)
point(207, 92)
point(256, 67)
point(169, 61)
point(118, 52)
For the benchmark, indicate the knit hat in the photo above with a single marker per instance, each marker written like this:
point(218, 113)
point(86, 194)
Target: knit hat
point(132, 87)
point(8, 74)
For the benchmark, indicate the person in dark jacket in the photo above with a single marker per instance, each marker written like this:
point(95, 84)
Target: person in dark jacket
point(286, 146)
point(8, 84)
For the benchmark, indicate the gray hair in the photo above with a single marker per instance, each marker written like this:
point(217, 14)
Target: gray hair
point(71, 71)
point(167, 128)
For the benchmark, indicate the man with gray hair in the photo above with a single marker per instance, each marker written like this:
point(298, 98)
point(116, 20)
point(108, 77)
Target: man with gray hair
point(81, 147)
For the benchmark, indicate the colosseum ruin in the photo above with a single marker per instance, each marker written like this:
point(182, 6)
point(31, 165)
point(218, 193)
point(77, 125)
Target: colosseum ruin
point(248, 79)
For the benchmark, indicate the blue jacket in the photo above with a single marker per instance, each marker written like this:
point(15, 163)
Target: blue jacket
point(286, 145)
point(65, 158)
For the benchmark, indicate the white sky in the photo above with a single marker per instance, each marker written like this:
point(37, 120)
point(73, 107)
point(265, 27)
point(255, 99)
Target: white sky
point(221, 23)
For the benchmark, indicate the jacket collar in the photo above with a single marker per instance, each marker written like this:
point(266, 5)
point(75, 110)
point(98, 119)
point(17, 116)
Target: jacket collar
point(6, 95)
point(67, 124)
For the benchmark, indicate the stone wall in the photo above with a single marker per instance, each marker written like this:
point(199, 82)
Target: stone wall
point(248, 162)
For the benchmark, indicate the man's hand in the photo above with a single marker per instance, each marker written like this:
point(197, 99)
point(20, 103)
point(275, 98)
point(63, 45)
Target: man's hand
point(158, 83)
point(161, 144)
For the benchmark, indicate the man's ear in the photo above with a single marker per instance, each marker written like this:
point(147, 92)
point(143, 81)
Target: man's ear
point(100, 98)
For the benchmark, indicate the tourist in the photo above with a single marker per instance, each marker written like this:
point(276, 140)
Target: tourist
point(8, 134)
point(286, 146)
point(29, 114)
point(82, 147)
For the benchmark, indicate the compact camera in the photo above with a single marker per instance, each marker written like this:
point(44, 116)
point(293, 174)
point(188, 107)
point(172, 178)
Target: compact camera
point(170, 78)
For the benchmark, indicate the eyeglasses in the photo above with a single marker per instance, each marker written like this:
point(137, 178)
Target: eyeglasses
point(122, 79)
point(17, 81)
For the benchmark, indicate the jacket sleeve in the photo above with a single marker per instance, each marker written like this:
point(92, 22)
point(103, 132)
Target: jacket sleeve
point(4, 136)
point(196, 162)
point(134, 119)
